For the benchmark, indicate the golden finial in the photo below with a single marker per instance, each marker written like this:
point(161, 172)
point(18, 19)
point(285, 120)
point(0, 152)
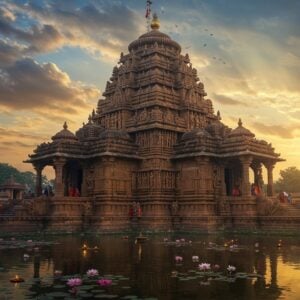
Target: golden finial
point(240, 123)
point(65, 126)
point(155, 22)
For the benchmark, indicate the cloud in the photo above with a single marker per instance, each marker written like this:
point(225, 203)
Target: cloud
point(285, 132)
point(9, 53)
point(28, 85)
point(8, 133)
point(104, 28)
point(17, 144)
point(225, 100)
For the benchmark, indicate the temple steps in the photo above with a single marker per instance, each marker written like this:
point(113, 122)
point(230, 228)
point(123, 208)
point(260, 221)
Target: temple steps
point(291, 209)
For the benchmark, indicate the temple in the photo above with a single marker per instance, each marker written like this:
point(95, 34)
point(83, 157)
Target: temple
point(155, 143)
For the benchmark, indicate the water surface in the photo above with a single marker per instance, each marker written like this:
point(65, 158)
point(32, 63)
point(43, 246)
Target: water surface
point(148, 270)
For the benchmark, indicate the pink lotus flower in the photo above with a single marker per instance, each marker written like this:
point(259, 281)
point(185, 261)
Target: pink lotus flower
point(73, 282)
point(92, 273)
point(204, 267)
point(178, 258)
point(104, 282)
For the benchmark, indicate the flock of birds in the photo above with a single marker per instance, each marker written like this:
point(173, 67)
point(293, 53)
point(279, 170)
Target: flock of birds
point(204, 45)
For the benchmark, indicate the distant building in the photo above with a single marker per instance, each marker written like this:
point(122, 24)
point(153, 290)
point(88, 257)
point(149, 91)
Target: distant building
point(11, 190)
point(155, 141)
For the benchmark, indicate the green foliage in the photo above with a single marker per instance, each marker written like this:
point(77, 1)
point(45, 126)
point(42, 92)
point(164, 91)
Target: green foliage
point(289, 180)
point(26, 178)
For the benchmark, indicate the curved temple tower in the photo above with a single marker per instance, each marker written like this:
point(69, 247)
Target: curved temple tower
point(154, 151)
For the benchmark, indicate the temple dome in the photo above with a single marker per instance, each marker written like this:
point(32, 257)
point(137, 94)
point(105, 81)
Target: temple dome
point(89, 131)
point(64, 134)
point(241, 131)
point(152, 37)
point(194, 134)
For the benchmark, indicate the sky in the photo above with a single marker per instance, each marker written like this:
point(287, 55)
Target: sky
point(56, 56)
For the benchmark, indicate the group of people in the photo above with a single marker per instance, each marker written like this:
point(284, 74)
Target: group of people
point(73, 192)
point(285, 197)
point(135, 210)
point(255, 190)
point(48, 191)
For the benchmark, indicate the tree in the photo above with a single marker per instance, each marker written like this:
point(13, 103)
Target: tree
point(27, 178)
point(289, 180)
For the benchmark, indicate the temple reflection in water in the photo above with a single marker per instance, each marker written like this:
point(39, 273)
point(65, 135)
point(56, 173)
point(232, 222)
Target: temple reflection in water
point(149, 266)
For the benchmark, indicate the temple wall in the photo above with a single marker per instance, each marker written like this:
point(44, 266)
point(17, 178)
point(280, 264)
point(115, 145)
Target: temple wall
point(112, 193)
point(195, 188)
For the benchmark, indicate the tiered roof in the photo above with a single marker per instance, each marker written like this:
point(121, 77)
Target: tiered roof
point(154, 86)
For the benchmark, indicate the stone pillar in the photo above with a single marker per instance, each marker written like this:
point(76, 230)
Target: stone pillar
point(270, 190)
point(38, 183)
point(246, 161)
point(222, 179)
point(59, 184)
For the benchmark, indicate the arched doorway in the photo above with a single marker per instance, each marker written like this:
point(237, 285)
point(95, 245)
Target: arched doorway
point(233, 177)
point(72, 178)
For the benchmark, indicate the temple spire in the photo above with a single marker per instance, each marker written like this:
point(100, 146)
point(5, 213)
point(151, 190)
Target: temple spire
point(155, 24)
point(65, 126)
point(240, 123)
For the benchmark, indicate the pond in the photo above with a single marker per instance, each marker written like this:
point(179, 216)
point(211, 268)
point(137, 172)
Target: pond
point(161, 267)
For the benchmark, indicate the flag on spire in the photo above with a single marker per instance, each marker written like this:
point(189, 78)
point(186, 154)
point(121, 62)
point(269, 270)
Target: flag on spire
point(148, 9)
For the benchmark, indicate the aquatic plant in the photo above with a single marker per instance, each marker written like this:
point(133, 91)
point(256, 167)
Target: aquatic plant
point(178, 258)
point(73, 282)
point(104, 282)
point(231, 269)
point(92, 272)
point(204, 267)
point(195, 258)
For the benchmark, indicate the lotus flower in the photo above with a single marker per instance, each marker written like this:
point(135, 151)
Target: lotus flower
point(104, 282)
point(177, 241)
point(195, 258)
point(26, 256)
point(166, 240)
point(92, 273)
point(231, 269)
point(178, 258)
point(216, 267)
point(204, 267)
point(73, 282)
point(182, 240)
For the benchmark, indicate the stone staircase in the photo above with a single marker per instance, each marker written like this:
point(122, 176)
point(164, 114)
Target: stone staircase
point(292, 210)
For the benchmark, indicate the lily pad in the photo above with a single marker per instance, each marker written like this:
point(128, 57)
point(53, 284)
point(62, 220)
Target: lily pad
point(59, 286)
point(86, 287)
point(57, 295)
point(97, 291)
point(106, 296)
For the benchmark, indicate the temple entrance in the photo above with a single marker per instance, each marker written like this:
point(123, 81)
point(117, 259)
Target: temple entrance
point(233, 178)
point(72, 179)
point(228, 181)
